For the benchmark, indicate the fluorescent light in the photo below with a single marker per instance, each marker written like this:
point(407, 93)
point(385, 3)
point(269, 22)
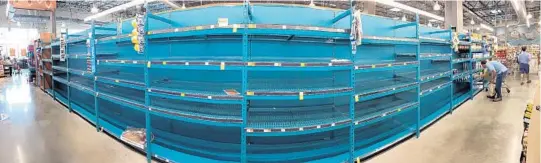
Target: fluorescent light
point(117, 8)
point(529, 16)
point(493, 11)
point(94, 10)
point(395, 9)
point(411, 9)
point(183, 6)
point(477, 28)
point(437, 6)
point(432, 20)
point(429, 24)
point(472, 22)
point(487, 27)
point(404, 18)
point(312, 3)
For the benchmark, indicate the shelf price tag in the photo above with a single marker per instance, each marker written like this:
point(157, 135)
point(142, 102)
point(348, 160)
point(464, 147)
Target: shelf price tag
point(303, 64)
point(252, 26)
point(116, 81)
point(222, 66)
point(198, 28)
point(373, 66)
point(301, 96)
point(148, 64)
point(182, 94)
point(250, 93)
point(234, 28)
point(389, 65)
point(251, 63)
point(356, 98)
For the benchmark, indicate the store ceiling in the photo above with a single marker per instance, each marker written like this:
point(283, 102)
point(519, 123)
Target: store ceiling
point(495, 13)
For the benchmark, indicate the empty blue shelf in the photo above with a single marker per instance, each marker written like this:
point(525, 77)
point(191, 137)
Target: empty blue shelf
point(82, 88)
point(430, 40)
point(435, 56)
point(391, 65)
point(283, 123)
point(127, 63)
point(428, 88)
point(61, 80)
point(431, 75)
point(461, 60)
point(60, 68)
point(121, 82)
point(81, 73)
point(367, 90)
point(47, 60)
point(78, 56)
point(122, 101)
point(389, 40)
point(461, 75)
point(387, 111)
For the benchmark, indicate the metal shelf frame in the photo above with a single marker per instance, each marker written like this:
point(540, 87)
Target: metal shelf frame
point(263, 112)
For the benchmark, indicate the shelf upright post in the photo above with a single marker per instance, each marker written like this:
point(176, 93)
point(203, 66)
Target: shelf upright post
point(147, 86)
point(244, 84)
point(352, 96)
point(418, 51)
point(52, 69)
point(469, 67)
point(92, 49)
point(66, 52)
point(451, 69)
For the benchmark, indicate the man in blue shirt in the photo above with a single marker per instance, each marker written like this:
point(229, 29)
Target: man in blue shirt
point(498, 72)
point(524, 65)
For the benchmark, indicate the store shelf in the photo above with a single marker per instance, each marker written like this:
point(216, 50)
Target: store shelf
point(367, 113)
point(461, 60)
point(389, 40)
point(206, 97)
point(428, 88)
point(294, 123)
point(462, 75)
point(61, 80)
point(431, 75)
point(82, 88)
point(47, 60)
point(60, 68)
point(78, 56)
point(430, 40)
point(122, 101)
point(126, 63)
point(383, 88)
point(435, 56)
point(121, 82)
point(369, 67)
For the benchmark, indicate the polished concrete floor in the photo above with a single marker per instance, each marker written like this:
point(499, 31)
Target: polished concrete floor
point(479, 131)
point(40, 130)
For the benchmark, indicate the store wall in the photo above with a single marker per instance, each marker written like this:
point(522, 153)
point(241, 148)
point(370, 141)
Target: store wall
point(519, 35)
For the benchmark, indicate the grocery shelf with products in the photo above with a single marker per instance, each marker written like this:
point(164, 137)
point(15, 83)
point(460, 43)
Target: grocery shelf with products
point(325, 85)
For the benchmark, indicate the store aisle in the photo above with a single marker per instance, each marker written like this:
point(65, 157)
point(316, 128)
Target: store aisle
point(40, 130)
point(479, 131)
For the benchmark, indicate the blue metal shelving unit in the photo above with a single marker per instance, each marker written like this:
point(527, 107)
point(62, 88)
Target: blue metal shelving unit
point(262, 85)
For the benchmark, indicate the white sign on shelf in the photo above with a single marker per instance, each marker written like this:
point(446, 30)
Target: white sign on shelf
point(63, 47)
point(222, 22)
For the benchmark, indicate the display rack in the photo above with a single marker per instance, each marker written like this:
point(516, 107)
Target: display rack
point(251, 83)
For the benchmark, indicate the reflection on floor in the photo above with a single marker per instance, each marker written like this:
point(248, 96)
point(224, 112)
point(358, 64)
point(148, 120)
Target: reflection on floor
point(40, 130)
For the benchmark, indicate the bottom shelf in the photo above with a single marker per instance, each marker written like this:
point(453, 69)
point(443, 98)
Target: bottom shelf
point(85, 114)
point(435, 116)
point(61, 98)
point(460, 98)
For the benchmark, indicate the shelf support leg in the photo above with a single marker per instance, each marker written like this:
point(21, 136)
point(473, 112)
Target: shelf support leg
point(243, 137)
point(418, 51)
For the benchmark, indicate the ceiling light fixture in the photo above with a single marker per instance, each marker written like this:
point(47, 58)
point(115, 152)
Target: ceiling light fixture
point(404, 18)
point(478, 28)
point(493, 11)
point(429, 24)
point(432, 20)
point(529, 16)
point(117, 8)
point(487, 27)
point(472, 22)
point(411, 9)
point(94, 9)
point(395, 9)
point(437, 6)
point(312, 3)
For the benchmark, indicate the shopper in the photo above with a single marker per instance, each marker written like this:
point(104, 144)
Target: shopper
point(524, 65)
point(498, 72)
